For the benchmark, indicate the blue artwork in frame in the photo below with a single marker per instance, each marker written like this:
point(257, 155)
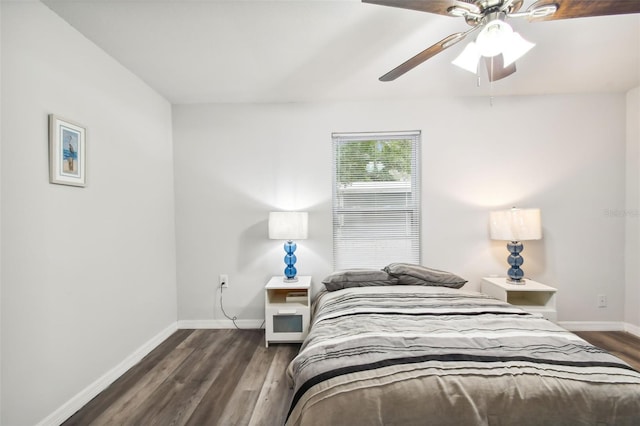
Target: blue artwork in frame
point(67, 146)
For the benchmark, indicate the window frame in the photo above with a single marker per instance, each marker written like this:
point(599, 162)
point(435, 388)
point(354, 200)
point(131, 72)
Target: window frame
point(379, 255)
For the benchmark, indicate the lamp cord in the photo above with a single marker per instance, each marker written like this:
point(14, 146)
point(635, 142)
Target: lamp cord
point(234, 318)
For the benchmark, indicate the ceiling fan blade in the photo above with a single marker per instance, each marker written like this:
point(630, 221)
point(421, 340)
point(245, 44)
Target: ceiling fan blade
point(424, 55)
point(582, 8)
point(496, 68)
point(441, 7)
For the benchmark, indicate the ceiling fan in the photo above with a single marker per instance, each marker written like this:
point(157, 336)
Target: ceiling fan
point(496, 43)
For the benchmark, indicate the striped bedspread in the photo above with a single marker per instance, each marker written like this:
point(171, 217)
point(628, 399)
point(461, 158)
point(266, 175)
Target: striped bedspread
point(410, 355)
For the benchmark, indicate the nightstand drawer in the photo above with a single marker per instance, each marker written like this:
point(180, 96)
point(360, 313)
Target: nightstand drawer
point(286, 325)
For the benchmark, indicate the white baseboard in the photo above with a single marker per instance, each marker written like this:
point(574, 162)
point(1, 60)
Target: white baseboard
point(592, 325)
point(87, 394)
point(633, 329)
point(600, 326)
point(203, 324)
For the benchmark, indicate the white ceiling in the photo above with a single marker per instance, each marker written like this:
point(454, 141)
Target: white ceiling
point(194, 51)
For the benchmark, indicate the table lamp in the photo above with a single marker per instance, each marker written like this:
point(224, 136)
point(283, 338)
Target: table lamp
point(515, 225)
point(289, 226)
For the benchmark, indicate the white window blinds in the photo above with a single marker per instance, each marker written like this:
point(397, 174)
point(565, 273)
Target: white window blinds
point(376, 199)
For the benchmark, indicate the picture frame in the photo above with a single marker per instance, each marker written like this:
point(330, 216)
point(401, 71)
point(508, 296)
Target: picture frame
point(67, 152)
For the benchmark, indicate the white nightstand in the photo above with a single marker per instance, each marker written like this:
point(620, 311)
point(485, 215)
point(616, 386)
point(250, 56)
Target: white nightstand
point(532, 296)
point(287, 320)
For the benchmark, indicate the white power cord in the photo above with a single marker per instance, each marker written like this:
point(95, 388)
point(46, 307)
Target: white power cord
point(234, 318)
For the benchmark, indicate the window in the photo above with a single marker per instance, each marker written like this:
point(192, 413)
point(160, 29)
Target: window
point(376, 199)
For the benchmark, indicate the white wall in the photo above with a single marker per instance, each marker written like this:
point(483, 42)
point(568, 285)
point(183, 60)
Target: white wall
point(632, 211)
point(88, 274)
point(564, 154)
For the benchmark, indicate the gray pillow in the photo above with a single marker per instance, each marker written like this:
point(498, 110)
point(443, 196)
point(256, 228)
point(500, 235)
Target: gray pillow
point(358, 278)
point(410, 274)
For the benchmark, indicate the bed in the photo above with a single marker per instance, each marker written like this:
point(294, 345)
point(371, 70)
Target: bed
point(430, 354)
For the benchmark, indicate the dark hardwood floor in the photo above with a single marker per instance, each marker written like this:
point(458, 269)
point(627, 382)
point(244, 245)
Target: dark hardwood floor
point(625, 346)
point(199, 377)
point(228, 377)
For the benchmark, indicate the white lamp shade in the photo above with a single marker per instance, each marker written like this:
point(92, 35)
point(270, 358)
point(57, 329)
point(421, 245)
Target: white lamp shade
point(515, 225)
point(288, 225)
point(493, 38)
point(515, 49)
point(468, 59)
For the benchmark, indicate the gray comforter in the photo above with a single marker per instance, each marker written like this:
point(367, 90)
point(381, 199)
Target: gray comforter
point(410, 355)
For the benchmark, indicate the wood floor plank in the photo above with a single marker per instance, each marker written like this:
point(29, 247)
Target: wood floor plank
point(216, 399)
point(248, 388)
point(271, 408)
point(624, 345)
point(178, 397)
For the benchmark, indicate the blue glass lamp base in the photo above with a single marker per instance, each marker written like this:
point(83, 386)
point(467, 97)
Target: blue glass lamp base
point(290, 260)
point(515, 275)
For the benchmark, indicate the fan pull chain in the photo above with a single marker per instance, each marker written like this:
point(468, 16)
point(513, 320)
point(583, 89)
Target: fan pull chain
point(491, 86)
point(491, 94)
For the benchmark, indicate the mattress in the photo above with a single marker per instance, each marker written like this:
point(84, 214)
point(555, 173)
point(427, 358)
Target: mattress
point(417, 355)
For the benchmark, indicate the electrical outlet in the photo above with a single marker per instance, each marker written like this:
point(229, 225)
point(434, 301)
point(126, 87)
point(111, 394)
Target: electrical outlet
point(602, 301)
point(223, 280)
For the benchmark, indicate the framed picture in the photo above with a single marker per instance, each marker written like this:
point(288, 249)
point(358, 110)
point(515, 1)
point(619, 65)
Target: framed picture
point(67, 149)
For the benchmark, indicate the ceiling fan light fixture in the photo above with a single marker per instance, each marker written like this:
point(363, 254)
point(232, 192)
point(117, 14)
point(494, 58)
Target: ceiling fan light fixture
point(488, 16)
point(468, 59)
point(494, 37)
point(516, 48)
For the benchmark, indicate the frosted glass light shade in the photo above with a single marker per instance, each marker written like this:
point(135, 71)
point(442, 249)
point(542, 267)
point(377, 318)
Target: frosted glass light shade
point(497, 37)
point(288, 225)
point(515, 49)
point(515, 224)
point(493, 38)
point(468, 59)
